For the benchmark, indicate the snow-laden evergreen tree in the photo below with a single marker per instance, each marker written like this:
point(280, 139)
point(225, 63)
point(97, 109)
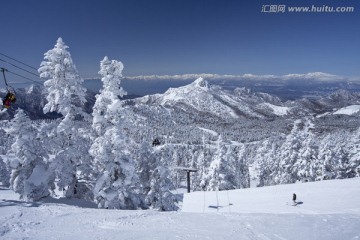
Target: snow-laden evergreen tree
point(201, 166)
point(5, 140)
point(66, 95)
point(159, 196)
point(220, 175)
point(72, 162)
point(241, 168)
point(117, 185)
point(305, 164)
point(29, 170)
point(326, 161)
point(160, 181)
point(4, 173)
point(353, 148)
point(111, 72)
point(343, 161)
point(5, 145)
point(265, 162)
point(145, 165)
point(290, 153)
point(63, 85)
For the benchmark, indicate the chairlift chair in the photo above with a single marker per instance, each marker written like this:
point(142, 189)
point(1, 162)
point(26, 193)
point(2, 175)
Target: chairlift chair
point(11, 95)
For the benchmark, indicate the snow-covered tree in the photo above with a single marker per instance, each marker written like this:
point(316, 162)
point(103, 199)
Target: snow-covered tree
point(354, 155)
point(66, 95)
point(4, 173)
point(146, 163)
point(201, 166)
point(159, 196)
point(325, 163)
point(305, 164)
point(343, 161)
point(241, 168)
point(29, 175)
point(159, 177)
point(220, 175)
point(63, 85)
point(265, 162)
point(117, 183)
point(290, 153)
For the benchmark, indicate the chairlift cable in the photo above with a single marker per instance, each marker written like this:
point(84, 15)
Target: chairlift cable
point(3, 71)
point(34, 81)
point(19, 67)
point(18, 61)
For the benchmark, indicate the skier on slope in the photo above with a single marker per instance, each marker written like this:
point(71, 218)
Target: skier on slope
point(294, 198)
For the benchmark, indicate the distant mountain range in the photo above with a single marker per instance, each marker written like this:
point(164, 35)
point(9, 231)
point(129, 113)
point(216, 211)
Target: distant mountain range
point(286, 87)
point(225, 100)
point(200, 96)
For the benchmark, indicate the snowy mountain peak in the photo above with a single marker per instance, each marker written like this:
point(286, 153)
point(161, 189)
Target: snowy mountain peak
point(201, 82)
point(33, 89)
point(212, 100)
point(193, 93)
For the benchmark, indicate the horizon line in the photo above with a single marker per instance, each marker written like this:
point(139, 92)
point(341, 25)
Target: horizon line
point(248, 76)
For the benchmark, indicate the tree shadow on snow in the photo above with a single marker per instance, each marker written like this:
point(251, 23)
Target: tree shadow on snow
point(69, 201)
point(298, 203)
point(8, 203)
point(3, 187)
point(62, 201)
point(48, 200)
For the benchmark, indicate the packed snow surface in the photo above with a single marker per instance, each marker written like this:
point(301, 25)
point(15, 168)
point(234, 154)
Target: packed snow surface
point(326, 210)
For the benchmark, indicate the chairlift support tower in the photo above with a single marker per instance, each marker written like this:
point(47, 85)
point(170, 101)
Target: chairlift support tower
point(188, 171)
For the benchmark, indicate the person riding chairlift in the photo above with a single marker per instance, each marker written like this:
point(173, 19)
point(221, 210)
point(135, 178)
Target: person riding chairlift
point(10, 96)
point(8, 99)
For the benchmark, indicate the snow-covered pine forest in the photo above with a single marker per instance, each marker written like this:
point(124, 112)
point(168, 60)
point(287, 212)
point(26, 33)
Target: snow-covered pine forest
point(235, 139)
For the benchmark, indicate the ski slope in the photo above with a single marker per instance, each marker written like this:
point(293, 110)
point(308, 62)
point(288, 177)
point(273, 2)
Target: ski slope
point(329, 210)
point(326, 197)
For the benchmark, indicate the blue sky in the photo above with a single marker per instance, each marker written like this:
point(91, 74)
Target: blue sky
point(185, 36)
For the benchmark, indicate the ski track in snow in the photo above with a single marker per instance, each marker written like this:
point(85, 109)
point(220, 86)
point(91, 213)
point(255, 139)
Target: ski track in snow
point(209, 131)
point(68, 219)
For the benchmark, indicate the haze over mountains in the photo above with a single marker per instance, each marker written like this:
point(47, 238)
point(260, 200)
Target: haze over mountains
point(287, 87)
